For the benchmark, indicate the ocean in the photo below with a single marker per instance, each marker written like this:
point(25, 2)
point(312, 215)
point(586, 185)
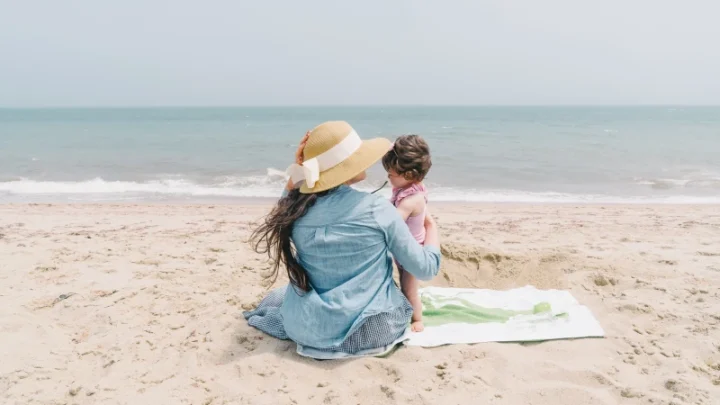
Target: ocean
point(480, 154)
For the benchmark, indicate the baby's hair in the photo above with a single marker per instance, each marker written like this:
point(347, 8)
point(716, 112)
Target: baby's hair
point(409, 157)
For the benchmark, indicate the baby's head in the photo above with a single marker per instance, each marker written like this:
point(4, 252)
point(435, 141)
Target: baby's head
point(408, 161)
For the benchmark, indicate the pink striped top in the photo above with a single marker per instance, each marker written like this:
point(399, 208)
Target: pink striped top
point(415, 223)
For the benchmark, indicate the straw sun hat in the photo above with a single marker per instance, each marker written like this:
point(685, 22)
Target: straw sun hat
point(334, 154)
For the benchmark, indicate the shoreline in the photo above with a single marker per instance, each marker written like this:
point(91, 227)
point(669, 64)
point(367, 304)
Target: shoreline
point(266, 201)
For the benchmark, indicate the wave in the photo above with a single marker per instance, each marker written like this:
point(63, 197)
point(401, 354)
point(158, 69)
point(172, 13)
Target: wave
point(270, 186)
point(694, 180)
point(166, 187)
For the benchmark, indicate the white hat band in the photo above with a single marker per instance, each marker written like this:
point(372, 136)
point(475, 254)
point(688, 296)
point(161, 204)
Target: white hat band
point(310, 169)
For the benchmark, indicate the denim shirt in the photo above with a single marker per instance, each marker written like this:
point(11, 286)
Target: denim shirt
point(346, 243)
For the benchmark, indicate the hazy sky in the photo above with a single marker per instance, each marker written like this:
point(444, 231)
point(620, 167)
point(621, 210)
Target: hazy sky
point(293, 52)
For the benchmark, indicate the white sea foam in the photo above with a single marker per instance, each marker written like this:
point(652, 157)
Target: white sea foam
point(270, 186)
point(167, 187)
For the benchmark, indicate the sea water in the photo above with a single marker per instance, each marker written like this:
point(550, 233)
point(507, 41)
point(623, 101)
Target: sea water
point(482, 154)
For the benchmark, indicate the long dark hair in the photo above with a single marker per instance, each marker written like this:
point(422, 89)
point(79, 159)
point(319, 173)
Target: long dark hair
point(273, 236)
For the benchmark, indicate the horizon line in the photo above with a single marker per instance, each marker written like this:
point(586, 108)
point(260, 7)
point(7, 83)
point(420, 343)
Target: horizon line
point(189, 106)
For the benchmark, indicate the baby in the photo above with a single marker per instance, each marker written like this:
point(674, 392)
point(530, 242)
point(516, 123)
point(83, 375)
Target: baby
point(407, 164)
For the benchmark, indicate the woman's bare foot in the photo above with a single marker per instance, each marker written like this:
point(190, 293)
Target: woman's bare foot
point(417, 326)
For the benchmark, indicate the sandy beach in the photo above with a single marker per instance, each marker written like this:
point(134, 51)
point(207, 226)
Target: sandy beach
point(141, 304)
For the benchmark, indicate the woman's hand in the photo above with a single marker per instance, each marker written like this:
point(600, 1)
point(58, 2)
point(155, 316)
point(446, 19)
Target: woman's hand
point(429, 220)
point(432, 236)
point(301, 147)
point(299, 158)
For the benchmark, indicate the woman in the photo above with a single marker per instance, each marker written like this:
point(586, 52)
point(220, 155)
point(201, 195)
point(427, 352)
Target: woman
point(337, 246)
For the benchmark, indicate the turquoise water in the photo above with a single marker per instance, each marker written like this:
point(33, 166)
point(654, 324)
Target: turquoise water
point(531, 154)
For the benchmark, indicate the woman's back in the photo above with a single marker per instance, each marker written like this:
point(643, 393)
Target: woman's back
point(344, 243)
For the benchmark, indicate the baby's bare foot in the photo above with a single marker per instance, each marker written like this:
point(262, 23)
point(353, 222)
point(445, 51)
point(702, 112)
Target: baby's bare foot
point(417, 326)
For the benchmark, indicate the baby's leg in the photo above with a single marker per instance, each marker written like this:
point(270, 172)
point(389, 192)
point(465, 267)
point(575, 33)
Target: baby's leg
point(409, 285)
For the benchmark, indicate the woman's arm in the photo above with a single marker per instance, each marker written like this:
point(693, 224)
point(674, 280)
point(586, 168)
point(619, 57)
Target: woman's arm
point(421, 262)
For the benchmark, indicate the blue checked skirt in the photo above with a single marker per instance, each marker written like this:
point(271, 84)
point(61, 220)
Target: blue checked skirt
point(377, 335)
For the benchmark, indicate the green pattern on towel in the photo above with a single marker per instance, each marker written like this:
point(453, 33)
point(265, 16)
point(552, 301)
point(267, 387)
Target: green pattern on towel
point(459, 310)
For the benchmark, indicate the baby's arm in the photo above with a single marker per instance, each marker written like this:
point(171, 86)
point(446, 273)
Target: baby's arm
point(411, 206)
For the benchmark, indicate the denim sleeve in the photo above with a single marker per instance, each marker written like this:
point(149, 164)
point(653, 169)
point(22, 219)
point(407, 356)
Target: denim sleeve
point(421, 262)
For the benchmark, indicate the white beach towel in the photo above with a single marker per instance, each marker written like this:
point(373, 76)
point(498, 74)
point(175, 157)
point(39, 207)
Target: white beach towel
point(459, 315)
